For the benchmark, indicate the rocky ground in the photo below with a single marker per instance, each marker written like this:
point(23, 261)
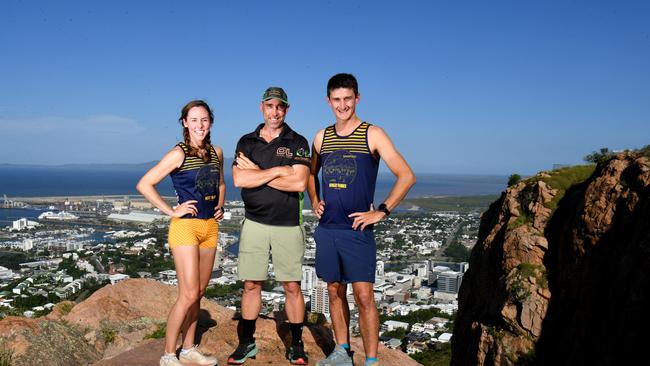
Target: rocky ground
point(110, 327)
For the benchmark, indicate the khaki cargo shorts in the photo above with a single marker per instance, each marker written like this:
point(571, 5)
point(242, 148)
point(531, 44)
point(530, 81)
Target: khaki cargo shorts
point(286, 244)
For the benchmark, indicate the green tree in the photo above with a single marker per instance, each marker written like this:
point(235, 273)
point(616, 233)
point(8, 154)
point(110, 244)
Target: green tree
point(398, 333)
point(12, 260)
point(513, 179)
point(457, 252)
point(597, 157)
point(218, 291)
point(418, 316)
point(70, 268)
point(439, 355)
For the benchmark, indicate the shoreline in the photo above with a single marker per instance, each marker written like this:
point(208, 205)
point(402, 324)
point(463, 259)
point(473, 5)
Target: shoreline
point(106, 197)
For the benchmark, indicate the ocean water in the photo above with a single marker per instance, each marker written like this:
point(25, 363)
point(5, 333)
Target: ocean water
point(35, 181)
point(9, 215)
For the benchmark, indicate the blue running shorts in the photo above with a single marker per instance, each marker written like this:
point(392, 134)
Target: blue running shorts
point(344, 255)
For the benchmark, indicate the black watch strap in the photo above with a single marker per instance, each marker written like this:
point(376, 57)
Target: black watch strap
point(383, 209)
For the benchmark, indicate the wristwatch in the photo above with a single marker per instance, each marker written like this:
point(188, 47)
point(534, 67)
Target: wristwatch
point(383, 209)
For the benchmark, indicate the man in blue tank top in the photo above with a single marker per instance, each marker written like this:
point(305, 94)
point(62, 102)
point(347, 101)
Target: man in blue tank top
point(347, 153)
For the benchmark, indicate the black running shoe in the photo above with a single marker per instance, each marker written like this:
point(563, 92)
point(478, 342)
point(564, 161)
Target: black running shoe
point(243, 352)
point(296, 354)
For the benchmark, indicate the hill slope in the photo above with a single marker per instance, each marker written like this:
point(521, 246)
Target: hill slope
point(110, 326)
point(558, 275)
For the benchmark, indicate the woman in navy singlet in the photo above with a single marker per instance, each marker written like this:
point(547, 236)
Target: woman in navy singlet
point(196, 169)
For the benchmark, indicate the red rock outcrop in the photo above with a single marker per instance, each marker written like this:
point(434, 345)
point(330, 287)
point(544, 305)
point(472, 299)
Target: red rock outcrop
point(558, 278)
point(109, 329)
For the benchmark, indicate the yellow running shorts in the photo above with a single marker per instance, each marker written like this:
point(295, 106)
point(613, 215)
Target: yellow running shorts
point(201, 232)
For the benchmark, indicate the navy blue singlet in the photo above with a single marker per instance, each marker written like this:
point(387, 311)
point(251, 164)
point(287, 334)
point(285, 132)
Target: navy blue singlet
point(198, 180)
point(349, 174)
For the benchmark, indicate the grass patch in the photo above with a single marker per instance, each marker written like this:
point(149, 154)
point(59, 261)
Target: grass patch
point(108, 334)
point(537, 271)
point(562, 179)
point(520, 289)
point(159, 333)
point(65, 307)
point(461, 204)
point(527, 269)
point(6, 354)
point(523, 219)
point(519, 292)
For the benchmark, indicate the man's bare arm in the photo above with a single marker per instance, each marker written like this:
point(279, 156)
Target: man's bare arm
point(295, 182)
point(380, 143)
point(317, 205)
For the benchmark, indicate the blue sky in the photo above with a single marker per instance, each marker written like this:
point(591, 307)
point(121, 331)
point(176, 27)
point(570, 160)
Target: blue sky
point(461, 87)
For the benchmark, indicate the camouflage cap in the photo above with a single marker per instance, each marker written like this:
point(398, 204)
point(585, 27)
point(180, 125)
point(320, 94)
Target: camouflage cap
point(275, 92)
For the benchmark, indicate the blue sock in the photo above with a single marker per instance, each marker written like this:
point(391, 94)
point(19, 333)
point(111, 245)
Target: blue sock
point(371, 361)
point(345, 345)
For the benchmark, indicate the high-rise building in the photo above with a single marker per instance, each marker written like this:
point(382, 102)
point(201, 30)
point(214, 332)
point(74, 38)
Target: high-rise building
point(28, 244)
point(309, 279)
point(379, 272)
point(464, 266)
point(449, 281)
point(422, 270)
point(320, 300)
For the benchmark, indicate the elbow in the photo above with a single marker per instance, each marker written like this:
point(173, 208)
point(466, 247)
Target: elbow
point(240, 184)
point(302, 185)
point(140, 186)
point(237, 182)
point(410, 179)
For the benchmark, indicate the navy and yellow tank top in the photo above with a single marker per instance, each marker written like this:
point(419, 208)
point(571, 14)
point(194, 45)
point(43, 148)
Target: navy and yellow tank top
point(198, 180)
point(349, 174)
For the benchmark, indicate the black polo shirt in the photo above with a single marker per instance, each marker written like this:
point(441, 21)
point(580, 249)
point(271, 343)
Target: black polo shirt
point(268, 205)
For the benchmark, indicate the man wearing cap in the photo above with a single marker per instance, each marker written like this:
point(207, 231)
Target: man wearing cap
point(271, 167)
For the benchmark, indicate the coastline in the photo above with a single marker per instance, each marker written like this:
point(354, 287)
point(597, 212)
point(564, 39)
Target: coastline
point(105, 197)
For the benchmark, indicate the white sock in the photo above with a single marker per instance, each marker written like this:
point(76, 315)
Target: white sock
point(185, 351)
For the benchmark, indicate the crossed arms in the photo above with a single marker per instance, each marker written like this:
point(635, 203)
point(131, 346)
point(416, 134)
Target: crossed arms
point(287, 178)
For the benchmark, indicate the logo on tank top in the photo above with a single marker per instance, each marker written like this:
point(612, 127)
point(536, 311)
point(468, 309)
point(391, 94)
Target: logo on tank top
point(339, 169)
point(207, 182)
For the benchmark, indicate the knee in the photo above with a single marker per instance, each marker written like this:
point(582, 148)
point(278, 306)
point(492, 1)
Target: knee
point(365, 300)
point(334, 292)
point(190, 296)
point(251, 287)
point(292, 289)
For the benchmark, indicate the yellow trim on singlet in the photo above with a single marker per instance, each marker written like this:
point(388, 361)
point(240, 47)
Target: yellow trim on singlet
point(355, 142)
point(194, 162)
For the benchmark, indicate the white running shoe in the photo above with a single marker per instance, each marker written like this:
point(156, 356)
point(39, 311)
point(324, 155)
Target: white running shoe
point(194, 356)
point(169, 359)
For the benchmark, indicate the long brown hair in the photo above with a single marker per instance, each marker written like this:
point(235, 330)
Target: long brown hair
point(203, 150)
